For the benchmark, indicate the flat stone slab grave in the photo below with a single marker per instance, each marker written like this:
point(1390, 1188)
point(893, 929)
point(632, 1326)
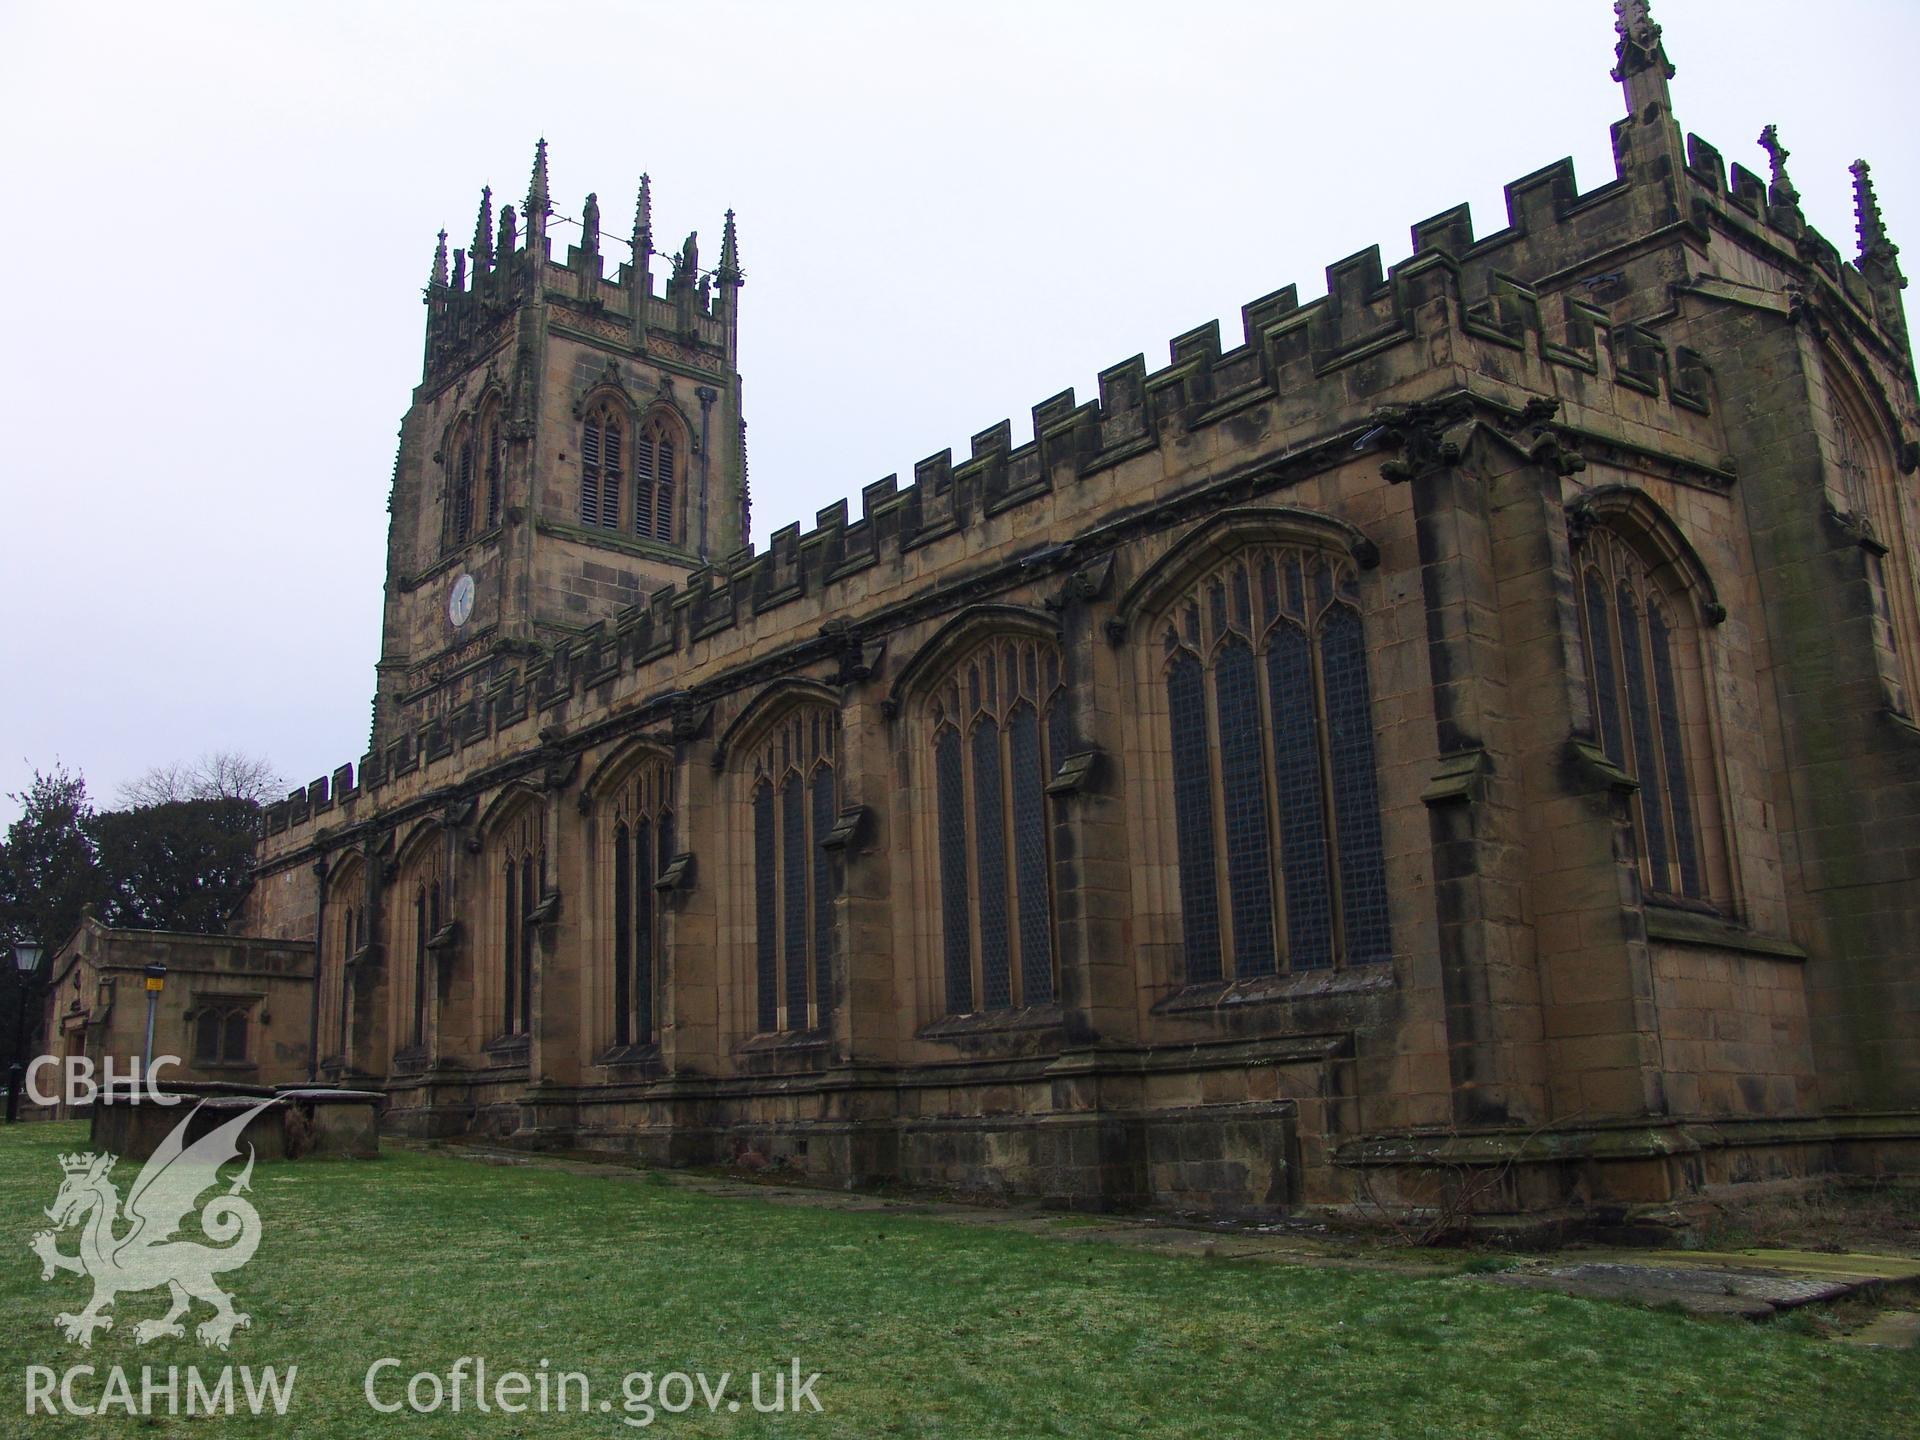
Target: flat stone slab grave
point(1754, 1284)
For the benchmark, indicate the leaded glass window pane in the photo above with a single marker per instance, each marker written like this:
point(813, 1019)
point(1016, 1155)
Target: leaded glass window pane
point(1356, 799)
point(1193, 818)
point(1299, 781)
point(793, 885)
point(622, 937)
point(990, 874)
point(766, 913)
point(1244, 794)
point(1645, 761)
point(1679, 802)
point(1030, 858)
point(956, 912)
point(644, 924)
point(1606, 685)
point(823, 817)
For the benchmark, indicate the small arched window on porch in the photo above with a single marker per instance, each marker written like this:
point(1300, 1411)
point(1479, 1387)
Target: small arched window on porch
point(602, 452)
point(656, 472)
point(794, 804)
point(1642, 662)
point(643, 841)
point(997, 728)
point(1275, 801)
point(220, 1033)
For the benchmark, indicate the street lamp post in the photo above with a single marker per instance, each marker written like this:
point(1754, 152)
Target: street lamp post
point(156, 982)
point(26, 959)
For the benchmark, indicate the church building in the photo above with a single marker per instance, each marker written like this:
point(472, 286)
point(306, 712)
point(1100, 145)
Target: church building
point(1457, 735)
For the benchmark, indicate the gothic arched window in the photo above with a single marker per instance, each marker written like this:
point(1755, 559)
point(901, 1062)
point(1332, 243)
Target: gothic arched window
point(416, 919)
point(794, 803)
point(520, 859)
point(643, 841)
point(601, 470)
point(996, 725)
point(1638, 644)
point(1276, 805)
point(655, 467)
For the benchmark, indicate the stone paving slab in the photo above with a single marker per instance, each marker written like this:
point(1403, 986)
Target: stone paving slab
point(1889, 1330)
point(1704, 1283)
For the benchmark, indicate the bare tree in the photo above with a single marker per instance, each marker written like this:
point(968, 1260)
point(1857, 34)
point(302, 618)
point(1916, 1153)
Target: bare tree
point(216, 775)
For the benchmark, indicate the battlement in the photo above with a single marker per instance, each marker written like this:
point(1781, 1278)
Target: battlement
point(468, 295)
point(1567, 299)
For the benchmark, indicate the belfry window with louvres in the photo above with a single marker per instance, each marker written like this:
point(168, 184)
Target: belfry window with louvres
point(996, 726)
point(1643, 680)
point(640, 843)
point(493, 449)
point(459, 459)
point(603, 451)
point(657, 452)
point(794, 803)
point(1269, 719)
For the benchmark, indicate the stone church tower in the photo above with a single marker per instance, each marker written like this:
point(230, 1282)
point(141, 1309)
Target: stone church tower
point(574, 445)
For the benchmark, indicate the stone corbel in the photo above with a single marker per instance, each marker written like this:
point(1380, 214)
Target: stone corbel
point(856, 659)
point(688, 720)
point(1087, 584)
point(1531, 432)
point(1427, 435)
point(1460, 780)
point(560, 771)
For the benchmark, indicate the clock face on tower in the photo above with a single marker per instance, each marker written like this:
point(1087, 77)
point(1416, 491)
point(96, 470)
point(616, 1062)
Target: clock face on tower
point(460, 600)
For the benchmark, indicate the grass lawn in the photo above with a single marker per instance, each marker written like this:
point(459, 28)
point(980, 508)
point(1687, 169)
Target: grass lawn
point(920, 1328)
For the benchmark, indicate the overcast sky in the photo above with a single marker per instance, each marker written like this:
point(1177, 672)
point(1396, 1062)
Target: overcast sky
point(223, 216)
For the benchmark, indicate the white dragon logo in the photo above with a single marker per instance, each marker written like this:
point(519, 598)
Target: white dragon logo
point(146, 1256)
